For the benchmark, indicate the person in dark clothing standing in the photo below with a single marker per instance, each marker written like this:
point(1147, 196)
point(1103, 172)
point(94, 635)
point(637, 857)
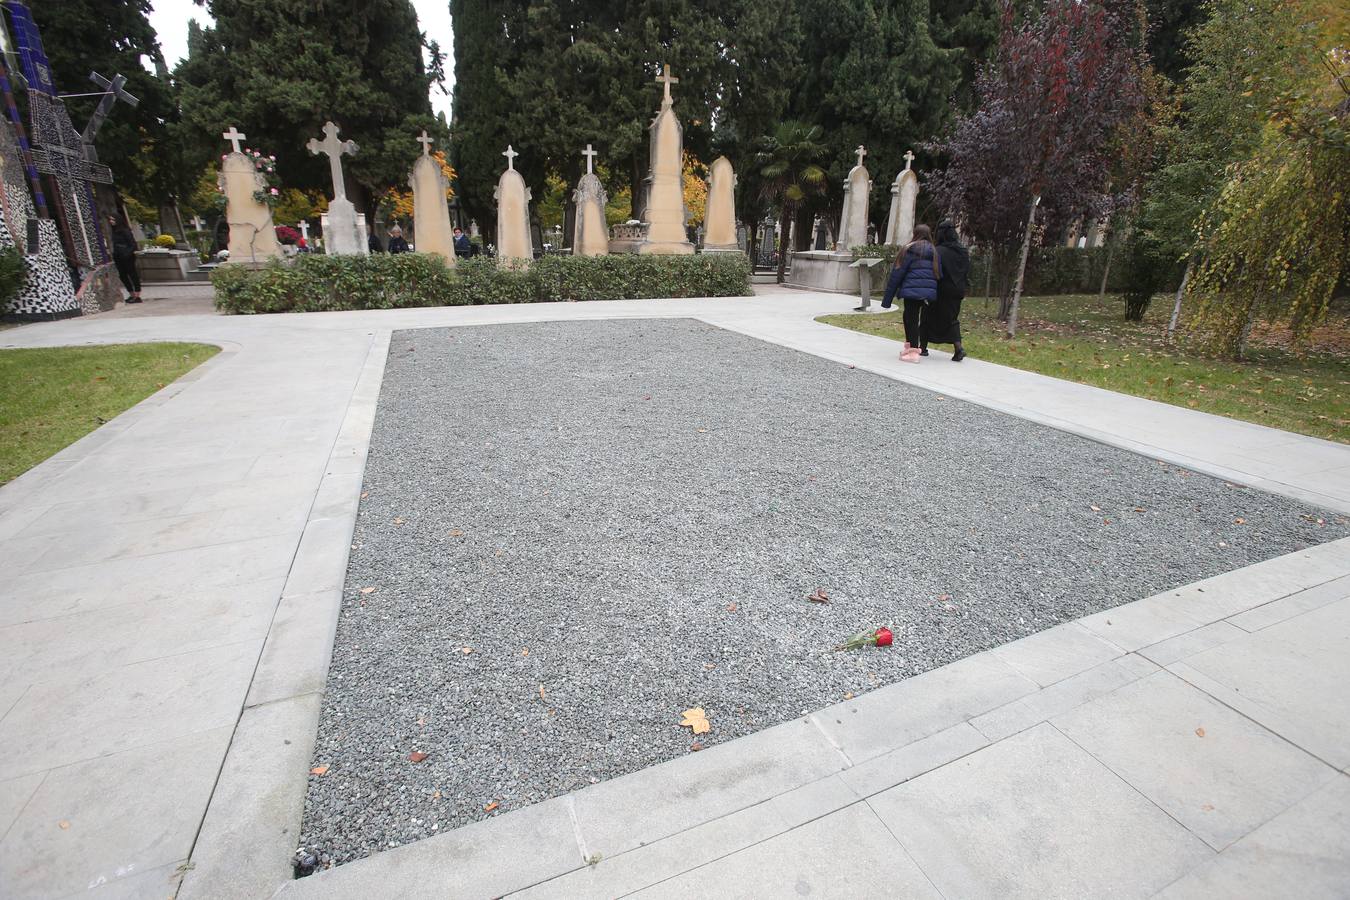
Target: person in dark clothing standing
point(942, 320)
point(124, 257)
point(463, 246)
point(396, 242)
point(915, 279)
point(373, 243)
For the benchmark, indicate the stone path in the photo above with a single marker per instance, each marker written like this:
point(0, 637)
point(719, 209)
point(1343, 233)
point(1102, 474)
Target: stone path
point(172, 588)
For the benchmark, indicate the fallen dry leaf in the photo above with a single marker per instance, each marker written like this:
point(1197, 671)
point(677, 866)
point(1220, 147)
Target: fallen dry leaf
point(417, 756)
point(491, 806)
point(525, 652)
point(709, 666)
point(466, 650)
point(455, 532)
point(319, 770)
point(1207, 807)
point(697, 720)
point(541, 692)
point(365, 494)
point(1139, 509)
point(695, 747)
point(367, 590)
point(398, 520)
point(63, 824)
point(703, 431)
point(1200, 732)
point(436, 796)
point(1239, 521)
point(848, 695)
point(421, 720)
point(1095, 508)
point(820, 596)
point(731, 607)
point(1106, 521)
point(945, 597)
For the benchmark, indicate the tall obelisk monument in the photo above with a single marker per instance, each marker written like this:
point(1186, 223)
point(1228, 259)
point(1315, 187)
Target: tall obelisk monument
point(665, 213)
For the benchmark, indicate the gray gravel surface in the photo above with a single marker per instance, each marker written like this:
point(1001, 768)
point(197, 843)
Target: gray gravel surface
point(622, 519)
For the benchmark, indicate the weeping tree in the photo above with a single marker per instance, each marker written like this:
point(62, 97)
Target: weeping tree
point(1066, 76)
point(788, 163)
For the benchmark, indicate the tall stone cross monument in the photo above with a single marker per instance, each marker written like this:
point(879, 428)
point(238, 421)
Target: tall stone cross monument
point(904, 193)
point(253, 237)
point(665, 214)
point(857, 194)
point(431, 215)
point(590, 236)
point(345, 232)
point(514, 241)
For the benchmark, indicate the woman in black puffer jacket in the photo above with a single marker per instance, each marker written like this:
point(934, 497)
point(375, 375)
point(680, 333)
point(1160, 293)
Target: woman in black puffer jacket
point(915, 279)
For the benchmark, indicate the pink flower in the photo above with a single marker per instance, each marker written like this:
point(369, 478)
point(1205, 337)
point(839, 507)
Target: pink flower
point(272, 158)
point(275, 192)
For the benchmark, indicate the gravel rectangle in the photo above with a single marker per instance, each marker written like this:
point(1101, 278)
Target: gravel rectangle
point(575, 531)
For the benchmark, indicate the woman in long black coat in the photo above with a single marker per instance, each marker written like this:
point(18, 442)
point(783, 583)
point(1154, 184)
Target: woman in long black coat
point(942, 319)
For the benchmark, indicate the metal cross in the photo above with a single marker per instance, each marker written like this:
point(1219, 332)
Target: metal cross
point(334, 148)
point(426, 143)
point(667, 80)
point(113, 93)
point(510, 155)
point(590, 158)
point(861, 151)
point(234, 137)
point(909, 158)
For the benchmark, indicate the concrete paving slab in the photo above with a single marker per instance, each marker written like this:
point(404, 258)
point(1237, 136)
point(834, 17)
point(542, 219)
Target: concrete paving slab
point(139, 704)
point(1036, 816)
point(151, 884)
point(1057, 653)
point(1213, 770)
point(1059, 698)
point(623, 813)
point(249, 834)
point(1192, 642)
point(1290, 677)
point(72, 836)
point(1293, 605)
point(14, 796)
point(883, 772)
point(846, 854)
point(620, 875)
point(1141, 624)
point(1300, 852)
point(299, 646)
point(899, 714)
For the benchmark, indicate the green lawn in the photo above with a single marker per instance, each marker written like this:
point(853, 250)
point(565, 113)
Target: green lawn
point(50, 398)
point(1083, 339)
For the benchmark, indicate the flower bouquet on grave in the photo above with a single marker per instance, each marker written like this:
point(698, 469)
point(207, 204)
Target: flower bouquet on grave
point(882, 637)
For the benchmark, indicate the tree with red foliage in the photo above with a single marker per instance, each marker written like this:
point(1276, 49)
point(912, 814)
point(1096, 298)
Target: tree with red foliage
point(1063, 81)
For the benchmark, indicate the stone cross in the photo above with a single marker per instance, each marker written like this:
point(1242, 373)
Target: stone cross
point(426, 143)
point(234, 137)
point(665, 79)
point(304, 230)
point(861, 151)
point(334, 148)
point(909, 158)
point(510, 155)
point(590, 158)
point(197, 223)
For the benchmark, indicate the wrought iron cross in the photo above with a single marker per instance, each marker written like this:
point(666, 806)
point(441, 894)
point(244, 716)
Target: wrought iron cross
point(590, 158)
point(113, 93)
point(234, 136)
point(665, 79)
point(510, 155)
point(426, 143)
point(334, 148)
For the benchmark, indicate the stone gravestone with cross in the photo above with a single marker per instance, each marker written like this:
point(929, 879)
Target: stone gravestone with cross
point(253, 237)
point(514, 243)
point(665, 215)
point(431, 214)
point(857, 195)
point(345, 232)
point(904, 194)
point(590, 237)
point(720, 215)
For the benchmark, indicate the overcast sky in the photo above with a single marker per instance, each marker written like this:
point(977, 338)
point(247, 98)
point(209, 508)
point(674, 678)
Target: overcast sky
point(170, 19)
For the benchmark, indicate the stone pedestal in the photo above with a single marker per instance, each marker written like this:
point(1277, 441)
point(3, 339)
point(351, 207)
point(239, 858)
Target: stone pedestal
point(343, 235)
point(824, 270)
point(431, 213)
point(253, 237)
point(590, 236)
point(627, 237)
point(720, 216)
point(167, 265)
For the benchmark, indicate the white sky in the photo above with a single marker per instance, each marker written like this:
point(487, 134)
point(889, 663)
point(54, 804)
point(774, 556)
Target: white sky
point(170, 20)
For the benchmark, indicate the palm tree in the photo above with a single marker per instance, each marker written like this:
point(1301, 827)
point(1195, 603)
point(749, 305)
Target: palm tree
point(788, 163)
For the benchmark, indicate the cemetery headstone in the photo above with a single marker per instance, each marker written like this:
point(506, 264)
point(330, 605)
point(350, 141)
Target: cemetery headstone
point(253, 237)
point(431, 213)
point(343, 235)
point(720, 213)
point(904, 193)
point(857, 195)
point(513, 213)
point(590, 237)
point(665, 213)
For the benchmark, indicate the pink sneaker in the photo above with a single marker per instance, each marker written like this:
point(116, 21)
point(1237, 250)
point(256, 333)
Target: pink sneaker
point(910, 353)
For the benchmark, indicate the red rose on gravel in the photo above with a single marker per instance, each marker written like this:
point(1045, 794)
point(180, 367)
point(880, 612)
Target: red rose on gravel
point(884, 637)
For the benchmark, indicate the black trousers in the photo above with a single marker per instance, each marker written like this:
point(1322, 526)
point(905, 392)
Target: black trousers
point(126, 270)
point(913, 316)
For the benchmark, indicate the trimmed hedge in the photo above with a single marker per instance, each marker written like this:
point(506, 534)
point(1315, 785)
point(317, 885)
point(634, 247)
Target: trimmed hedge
point(318, 283)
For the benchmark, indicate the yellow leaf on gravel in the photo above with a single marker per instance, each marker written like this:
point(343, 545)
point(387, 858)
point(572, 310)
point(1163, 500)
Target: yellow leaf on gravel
point(319, 770)
point(367, 590)
point(696, 719)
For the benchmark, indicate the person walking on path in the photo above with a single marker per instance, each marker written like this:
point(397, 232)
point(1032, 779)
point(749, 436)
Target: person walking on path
point(914, 278)
point(124, 257)
point(942, 320)
point(396, 242)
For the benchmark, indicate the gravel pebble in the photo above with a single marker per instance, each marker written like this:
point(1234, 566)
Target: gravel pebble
point(578, 530)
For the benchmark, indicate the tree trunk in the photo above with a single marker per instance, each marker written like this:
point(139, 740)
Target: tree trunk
point(1022, 268)
point(988, 277)
point(1181, 292)
point(638, 194)
point(1240, 343)
point(1106, 270)
point(784, 241)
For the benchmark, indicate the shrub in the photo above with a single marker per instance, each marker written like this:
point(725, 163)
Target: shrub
point(315, 283)
point(1146, 270)
point(287, 235)
point(13, 274)
point(167, 241)
point(874, 251)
